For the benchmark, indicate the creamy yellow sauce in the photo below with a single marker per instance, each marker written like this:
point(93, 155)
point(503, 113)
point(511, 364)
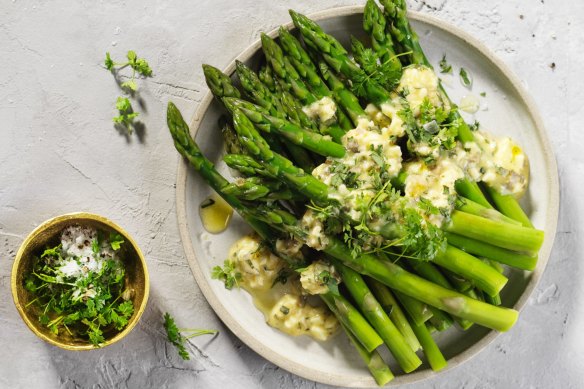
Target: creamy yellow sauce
point(284, 305)
point(215, 214)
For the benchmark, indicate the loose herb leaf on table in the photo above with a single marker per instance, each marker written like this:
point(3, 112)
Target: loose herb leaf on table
point(176, 337)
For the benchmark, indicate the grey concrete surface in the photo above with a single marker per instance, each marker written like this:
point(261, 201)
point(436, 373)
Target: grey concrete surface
point(59, 152)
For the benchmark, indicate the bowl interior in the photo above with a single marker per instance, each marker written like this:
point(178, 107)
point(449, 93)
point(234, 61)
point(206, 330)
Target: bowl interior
point(48, 235)
point(335, 361)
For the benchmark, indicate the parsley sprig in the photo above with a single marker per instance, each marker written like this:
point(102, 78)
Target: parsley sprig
point(385, 73)
point(228, 274)
point(176, 337)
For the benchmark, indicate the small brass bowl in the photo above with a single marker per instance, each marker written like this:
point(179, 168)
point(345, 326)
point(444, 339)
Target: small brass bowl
point(48, 234)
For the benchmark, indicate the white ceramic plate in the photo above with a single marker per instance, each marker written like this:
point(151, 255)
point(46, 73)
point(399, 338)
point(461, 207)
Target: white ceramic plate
point(510, 111)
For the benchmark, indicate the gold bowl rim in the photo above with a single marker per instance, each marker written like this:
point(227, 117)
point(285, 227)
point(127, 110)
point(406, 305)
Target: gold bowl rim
point(72, 217)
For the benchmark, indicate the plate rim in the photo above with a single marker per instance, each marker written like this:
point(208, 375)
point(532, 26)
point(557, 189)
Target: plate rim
point(367, 380)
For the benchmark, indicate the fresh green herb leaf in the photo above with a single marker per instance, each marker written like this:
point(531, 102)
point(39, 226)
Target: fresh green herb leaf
point(126, 309)
point(174, 336)
point(375, 69)
point(127, 114)
point(131, 56)
point(483, 94)
point(139, 64)
point(331, 282)
point(228, 274)
point(109, 63)
point(116, 241)
point(142, 67)
point(95, 246)
point(130, 85)
point(445, 67)
point(422, 240)
point(465, 78)
point(53, 252)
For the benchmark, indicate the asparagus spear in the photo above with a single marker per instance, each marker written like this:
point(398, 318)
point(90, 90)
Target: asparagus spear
point(484, 276)
point(219, 83)
point(447, 300)
point(246, 165)
point(431, 350)
point(394, 311)
point(377, 367)
point(266, 75)
point(374, 24)
point(278, 103)
point(293, 82)
point(501, 255)
point(508, 206)
point(495, 232)
point(221, 86)
point(405, 356)
point(477, 209)
point(428, 271)
point(337, 57)
point(343, 96)
point(417, 310)
point(285, 71)
point(350, 317)
point(256, 188)
point(289, 131)
point(303, 64)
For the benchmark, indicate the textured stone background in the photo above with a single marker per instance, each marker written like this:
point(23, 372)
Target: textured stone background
point(60, 153)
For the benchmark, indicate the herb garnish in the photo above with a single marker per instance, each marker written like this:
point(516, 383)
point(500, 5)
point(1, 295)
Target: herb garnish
point(326, 278)
point(465, 78)
point(385, 73)
point(174, 335)
point(228, 274)
point(445, 67)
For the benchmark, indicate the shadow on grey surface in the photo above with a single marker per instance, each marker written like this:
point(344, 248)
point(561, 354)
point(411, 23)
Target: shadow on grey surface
point(138, 128)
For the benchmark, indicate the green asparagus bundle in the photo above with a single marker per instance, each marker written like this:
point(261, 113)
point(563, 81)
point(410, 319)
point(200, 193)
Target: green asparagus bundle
point(341, 153)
